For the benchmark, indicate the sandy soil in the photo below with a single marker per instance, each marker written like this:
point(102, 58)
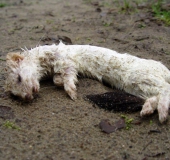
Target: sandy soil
point(55, 127)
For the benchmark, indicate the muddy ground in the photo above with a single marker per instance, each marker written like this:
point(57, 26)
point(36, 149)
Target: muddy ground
point(55, 127)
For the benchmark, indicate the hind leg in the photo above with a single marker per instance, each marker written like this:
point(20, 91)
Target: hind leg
point(161, 103)
point(163, 110)
point(149, 106)
point(163, 107)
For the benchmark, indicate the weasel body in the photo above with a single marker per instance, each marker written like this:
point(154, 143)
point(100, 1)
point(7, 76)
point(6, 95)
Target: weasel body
point(147, 79)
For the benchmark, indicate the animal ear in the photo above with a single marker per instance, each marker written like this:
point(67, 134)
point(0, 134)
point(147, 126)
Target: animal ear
point(15, 57)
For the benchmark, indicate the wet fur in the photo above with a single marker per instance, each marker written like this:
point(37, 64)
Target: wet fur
point(147, 79)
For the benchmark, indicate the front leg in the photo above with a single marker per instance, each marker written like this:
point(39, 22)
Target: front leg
point(58, 79)
point(67, 77)
point(70, 79)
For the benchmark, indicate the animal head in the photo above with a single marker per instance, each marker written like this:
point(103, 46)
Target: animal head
point(21, 78)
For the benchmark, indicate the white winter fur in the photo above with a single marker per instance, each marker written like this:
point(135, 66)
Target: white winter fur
point(147, 79)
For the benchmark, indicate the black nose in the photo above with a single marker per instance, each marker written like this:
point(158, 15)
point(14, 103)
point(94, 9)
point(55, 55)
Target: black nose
point(35, 90)
point(28, 97)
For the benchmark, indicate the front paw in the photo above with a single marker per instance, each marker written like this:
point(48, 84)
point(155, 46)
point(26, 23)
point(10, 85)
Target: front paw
point(71, 91)
point(73, 96)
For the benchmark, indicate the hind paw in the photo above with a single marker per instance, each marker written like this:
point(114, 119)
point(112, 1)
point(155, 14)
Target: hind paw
point(146, 110)
point(149, 106)
point(163, 113)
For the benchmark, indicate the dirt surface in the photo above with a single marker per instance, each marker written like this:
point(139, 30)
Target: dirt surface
point(55, 127)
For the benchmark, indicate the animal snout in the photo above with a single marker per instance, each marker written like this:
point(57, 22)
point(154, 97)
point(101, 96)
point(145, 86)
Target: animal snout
point(35, 90)
point(28, 97)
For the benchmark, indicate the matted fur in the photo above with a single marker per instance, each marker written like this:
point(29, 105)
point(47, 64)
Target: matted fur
point(147, 79)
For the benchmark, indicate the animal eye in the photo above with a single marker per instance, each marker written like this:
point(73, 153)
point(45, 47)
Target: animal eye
point(19, 79)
